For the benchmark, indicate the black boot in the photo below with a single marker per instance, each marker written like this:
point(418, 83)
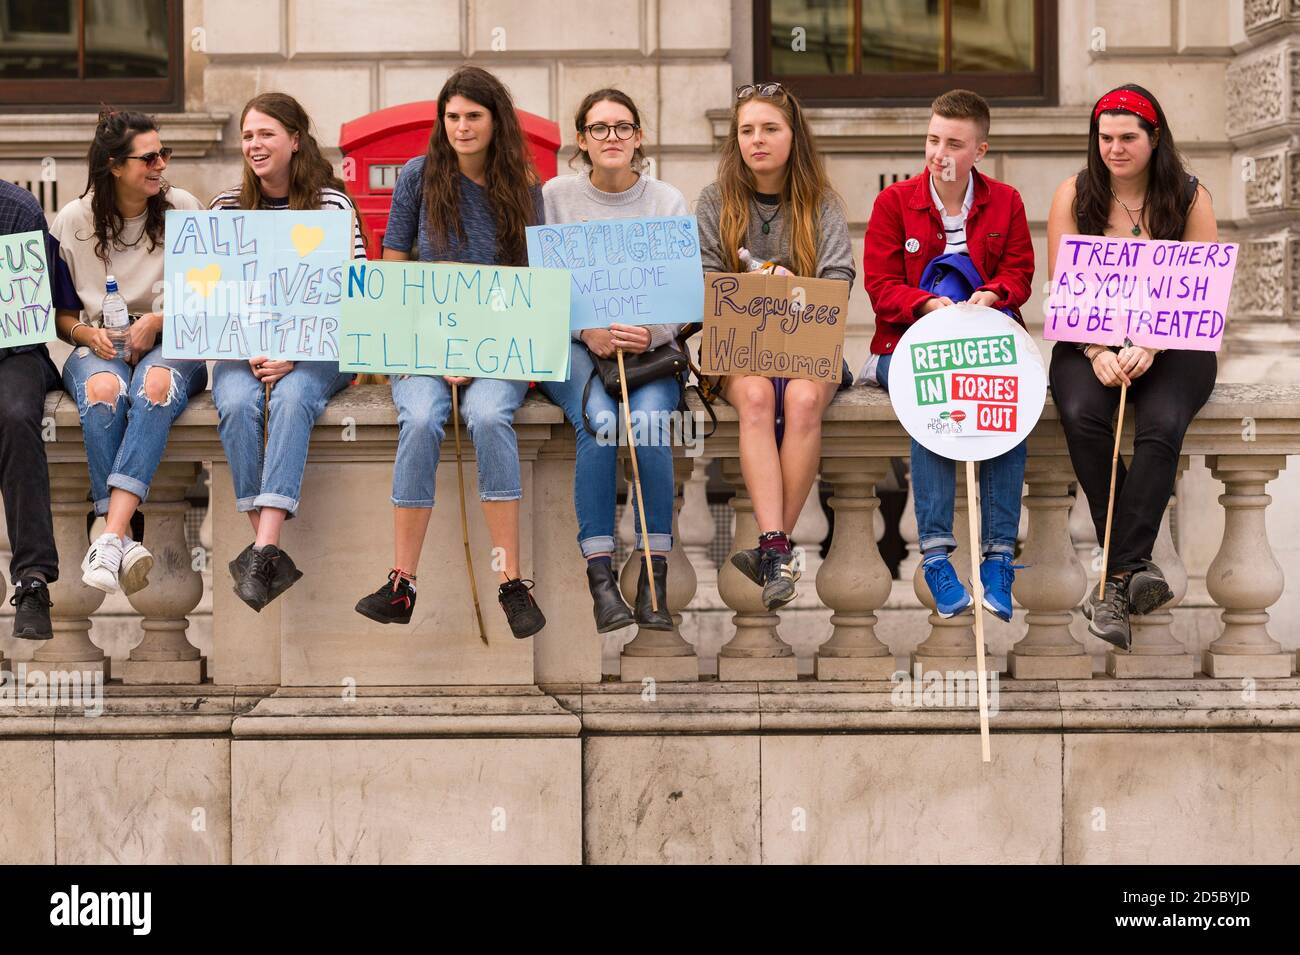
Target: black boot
point(650, 619)
point(607, 604)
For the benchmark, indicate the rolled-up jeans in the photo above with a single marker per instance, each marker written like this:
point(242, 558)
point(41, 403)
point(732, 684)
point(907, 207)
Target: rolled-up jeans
point(595, 470)
point(125, 438)
point(487, 406)
point(271, 477)
point(934, 483)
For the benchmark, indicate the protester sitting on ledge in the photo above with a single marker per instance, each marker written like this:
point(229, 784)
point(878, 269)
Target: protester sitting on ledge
point(26, 374)
point(773, 207)
point(127, 394)
point(952, 226)
point(1134, 185)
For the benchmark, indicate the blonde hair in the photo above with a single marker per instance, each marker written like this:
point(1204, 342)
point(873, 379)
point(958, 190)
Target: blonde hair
point(805, 188)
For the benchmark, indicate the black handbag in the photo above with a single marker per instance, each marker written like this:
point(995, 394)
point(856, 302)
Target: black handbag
point(641, 368)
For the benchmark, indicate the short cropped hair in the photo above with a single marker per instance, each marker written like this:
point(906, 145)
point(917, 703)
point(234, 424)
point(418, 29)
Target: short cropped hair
point(964, 104)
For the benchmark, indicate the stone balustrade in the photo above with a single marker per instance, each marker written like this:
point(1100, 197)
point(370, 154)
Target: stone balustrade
point(342, 541)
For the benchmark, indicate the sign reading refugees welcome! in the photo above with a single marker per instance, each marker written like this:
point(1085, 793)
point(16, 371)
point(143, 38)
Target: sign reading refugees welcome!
point(1155, 293)
point(778, 326)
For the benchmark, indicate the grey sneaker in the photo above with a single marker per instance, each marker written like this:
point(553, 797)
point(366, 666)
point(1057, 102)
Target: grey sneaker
point(1108, 616)
point(749, 562)
point(778, 579)
point(1148, 590)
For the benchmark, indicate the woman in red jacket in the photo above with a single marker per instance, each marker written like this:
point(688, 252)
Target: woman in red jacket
point(950, 209)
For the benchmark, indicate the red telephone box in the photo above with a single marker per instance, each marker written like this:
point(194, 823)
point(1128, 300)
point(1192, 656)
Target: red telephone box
point(380, 143)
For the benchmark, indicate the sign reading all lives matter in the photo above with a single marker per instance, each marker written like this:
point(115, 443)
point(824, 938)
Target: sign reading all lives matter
point(423, 318)
point(267, 282)
point(778, 326)
point(1155, 293)
point(26, 312)
point(630, 271)
point(967, 382)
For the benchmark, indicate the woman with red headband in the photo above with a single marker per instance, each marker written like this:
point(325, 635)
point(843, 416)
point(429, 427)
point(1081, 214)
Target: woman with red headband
point(1135, 185)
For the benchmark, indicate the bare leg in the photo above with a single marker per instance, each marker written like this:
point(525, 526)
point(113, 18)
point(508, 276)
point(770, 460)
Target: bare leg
point(268, 526)
point(805, 402)
point(121, 506)
point(755, 402)
point(409, 527)
point(503, 527)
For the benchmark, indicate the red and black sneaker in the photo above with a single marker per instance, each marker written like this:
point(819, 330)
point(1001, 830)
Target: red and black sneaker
point(391, 603)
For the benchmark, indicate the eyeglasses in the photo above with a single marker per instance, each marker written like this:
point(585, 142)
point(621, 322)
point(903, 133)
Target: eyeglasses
point(601, 131)
point(760, 89)
point(151, 159)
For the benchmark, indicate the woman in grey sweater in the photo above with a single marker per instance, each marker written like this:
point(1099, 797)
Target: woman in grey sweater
point(612, 186)
point(772, 207)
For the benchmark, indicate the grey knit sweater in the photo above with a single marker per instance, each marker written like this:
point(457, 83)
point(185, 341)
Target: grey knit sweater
point(575, 199)
point(834, 250)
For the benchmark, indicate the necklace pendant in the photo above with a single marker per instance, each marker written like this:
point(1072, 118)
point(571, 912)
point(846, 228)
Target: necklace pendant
point(1137, 230)
point(767, 228)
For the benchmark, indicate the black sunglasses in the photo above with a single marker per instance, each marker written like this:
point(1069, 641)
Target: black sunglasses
point(150, 159)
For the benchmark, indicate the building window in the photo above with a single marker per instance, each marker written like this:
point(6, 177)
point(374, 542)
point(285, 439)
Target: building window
point(905, 52)
point(78, 54)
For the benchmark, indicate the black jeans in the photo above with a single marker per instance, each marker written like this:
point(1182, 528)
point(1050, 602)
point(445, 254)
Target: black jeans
point(1163, 403)
point(24, 474)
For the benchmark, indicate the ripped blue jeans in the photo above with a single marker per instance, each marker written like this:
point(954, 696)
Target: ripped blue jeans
point(125, 437)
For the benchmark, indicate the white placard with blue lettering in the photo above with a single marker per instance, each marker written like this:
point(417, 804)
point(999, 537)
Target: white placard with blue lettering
point(630, 271)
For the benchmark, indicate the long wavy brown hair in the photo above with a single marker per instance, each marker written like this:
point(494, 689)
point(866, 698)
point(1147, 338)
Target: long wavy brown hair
point(114, 134)
point(309, 170)
point(510, 173)
point(806, 187)
point(1167, 201)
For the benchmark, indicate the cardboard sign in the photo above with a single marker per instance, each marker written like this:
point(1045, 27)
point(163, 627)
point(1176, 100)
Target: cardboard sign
point(630, 271)
point(26, 311)
point(241, 284)
point(1156, 293)
point(778, 326)
point(423, 318)
point(967, 382)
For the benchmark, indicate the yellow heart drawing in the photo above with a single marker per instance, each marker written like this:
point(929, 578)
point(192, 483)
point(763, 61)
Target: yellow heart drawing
point(306, 238)
point(202, 280)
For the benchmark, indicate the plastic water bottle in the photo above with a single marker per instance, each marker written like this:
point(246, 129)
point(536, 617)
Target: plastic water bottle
point(747, 260)
point(117, 322)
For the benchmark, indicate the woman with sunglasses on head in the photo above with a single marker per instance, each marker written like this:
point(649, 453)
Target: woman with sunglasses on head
point(613, 185)
point(468, 199)
point(283, 169)
point(1134, 185)
point(127, 394)
point(773, 201)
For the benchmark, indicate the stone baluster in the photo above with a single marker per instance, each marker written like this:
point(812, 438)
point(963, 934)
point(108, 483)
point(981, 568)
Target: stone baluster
point(810, 529)
point(756, 652)
point(1084, 535)
point(697, 528)
point(1156, 653)
point(907, 529)
point(1245, 578)
point(951, 644)
point(74, 602)
point(854, 580)
point(662, 655)
point(175, 586)
point(1053, 581)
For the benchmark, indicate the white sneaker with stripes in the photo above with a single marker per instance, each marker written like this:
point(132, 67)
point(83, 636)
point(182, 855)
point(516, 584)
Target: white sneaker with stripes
point(102, 561)
point(133, 574)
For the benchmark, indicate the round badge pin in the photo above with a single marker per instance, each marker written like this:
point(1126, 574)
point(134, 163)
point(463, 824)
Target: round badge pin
point(912, 245)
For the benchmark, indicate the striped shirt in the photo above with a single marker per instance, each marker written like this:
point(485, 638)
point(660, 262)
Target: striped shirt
point(329, 199)
point(954, 227)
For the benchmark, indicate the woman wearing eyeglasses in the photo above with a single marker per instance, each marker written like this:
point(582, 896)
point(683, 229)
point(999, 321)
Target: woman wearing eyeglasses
point(127, 397)
point(613, 185)
point(774, 199)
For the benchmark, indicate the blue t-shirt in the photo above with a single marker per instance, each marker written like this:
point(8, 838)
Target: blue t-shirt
point(407, 220)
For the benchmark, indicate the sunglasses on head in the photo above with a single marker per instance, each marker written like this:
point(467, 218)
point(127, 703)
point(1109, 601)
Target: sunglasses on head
point(151, 158)
point(758, 89)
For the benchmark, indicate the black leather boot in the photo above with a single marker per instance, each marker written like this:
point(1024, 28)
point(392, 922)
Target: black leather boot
point(607, 604)
point(659, 619)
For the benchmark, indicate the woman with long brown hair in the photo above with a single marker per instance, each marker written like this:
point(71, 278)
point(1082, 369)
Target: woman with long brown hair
point(1134, 185)
point(283, 169)
point(468, 199)
point(773, 203)
point(128, 395)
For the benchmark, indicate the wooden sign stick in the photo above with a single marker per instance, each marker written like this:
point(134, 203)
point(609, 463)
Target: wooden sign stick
point(636, 481)
point(1110, 501)
point(464, 519)
point(972, 510)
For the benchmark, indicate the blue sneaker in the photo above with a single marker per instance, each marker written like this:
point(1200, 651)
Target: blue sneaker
point(997, 573)
point(950, 597)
